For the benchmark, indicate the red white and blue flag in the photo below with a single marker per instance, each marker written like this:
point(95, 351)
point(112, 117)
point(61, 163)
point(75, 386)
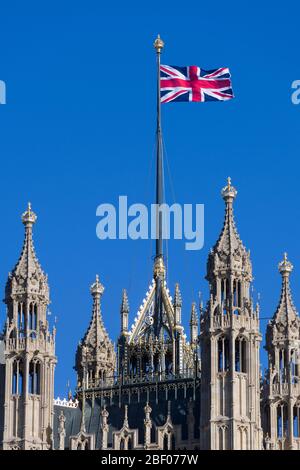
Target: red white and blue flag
point(194, 84)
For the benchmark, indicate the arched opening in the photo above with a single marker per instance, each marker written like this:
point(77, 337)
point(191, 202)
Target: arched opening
point(221, 439)
point(235, 296)
point(169, 362)
point(223, 354)
point(133, 366)
point(282, 420)
point(296, 416)
point(282, 364)
point(21, 320)
point(129, 443)
point(17, 377)
point(122, 444)
point(294, 366)
point(166, 442)
point(241, 355)
point(34, 377)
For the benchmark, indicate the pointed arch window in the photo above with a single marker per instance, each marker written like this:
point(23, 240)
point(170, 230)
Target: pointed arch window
point(296, 421)
point(223, 354)
point(241, 355)
point(17, 377)
point(21, 320)
point(223, 438)
point(282, 420)
point(34, 377)
point(282, 364)
point(237, 293)
point(166, 442)
point(33, 309)
point(294, 366)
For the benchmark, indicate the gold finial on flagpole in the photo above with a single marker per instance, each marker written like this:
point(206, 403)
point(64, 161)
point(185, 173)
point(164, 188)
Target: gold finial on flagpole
point(158, 44)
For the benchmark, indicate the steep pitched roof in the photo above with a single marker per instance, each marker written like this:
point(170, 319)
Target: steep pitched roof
point(28, 275)
point(286, 311)
point(229, 251)
point(96, 333)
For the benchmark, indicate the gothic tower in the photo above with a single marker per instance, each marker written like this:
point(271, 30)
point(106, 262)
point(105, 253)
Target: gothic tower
point(29, 352)
point(95, 357)
point(230, 339)
point(281, 408)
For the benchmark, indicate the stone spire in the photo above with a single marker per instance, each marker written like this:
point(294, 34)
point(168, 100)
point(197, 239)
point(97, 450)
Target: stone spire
point(281, 386)
point(147, 425)
point(194, 317)
point(177, 296)
point(177, 304)
point(95, 358)
point(27, 276)
point(286, 311)
point(124, 313)
point(229, 336)
point(229, 251)
point(29, 351)
point(194, 324)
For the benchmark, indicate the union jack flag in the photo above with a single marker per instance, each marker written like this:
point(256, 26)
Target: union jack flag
point(194, 84)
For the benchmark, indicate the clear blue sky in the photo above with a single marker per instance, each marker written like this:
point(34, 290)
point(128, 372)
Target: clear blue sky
point(78, 130)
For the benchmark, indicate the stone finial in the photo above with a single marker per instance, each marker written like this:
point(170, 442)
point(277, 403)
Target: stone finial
point(125, 422)
point(104, 413)
point(124, 303)
point(229, 192)
point(147, 410)
point(29, 217)
point(177, 296)
point(97, 288)
point(285, 267)
point(286, 309)
point(194, 316)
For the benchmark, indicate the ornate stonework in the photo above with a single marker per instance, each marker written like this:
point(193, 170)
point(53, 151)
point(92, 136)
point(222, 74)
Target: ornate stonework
point(95, 358)
point(157, 389)
point(29, 352)
point(281, 400)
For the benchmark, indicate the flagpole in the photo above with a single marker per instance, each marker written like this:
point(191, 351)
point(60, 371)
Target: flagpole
point(159, 44)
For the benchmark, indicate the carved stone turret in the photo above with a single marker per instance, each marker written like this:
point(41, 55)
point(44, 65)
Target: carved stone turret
point(95, 358)
point(29, 352)
point(281, 410)
point(230, 337)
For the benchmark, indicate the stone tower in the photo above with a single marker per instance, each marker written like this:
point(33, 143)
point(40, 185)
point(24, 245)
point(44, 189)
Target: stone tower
point(281, 408)
point(95, 357)
point(230, 339)
point(29, 352)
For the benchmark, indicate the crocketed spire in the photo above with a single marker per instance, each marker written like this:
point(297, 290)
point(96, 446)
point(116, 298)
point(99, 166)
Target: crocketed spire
point(229, 251)
point(124, 313)
point(194, 316)
point(286, 311)
point(177, 296)
point(124, 303)
point(27, 275)
point(95, 357)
